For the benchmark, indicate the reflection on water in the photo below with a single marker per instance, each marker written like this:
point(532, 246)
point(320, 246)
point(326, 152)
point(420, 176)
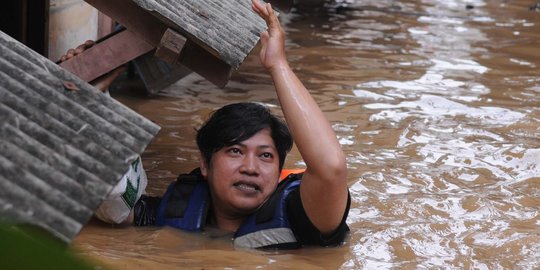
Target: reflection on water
point(436, 104)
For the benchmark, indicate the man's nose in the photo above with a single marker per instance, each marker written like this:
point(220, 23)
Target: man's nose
point(249, 165)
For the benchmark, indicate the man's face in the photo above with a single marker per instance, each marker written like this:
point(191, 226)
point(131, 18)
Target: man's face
point(242, 176)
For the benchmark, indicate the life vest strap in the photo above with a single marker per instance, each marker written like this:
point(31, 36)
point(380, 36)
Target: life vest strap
point(267, 238)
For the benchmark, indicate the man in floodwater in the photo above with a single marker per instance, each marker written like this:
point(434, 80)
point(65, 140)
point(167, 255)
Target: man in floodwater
point(243, 149)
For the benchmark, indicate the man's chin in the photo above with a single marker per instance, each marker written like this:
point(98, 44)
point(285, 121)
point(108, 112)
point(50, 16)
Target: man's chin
point(247, 208)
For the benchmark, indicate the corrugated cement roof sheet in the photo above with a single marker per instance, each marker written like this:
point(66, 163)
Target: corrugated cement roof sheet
point(230, 27)
point(61, 151)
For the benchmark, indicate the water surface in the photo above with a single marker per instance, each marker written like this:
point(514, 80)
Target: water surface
point(437, 107)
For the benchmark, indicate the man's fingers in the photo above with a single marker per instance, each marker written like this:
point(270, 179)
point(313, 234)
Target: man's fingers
point(261, 14)
point(273, 21)
point(80, 49)
point(257, 6)
point(73, 52)
point(69, 54)
point(89, 43)
point(261, 10)
point(267, 13)
point(269, 9)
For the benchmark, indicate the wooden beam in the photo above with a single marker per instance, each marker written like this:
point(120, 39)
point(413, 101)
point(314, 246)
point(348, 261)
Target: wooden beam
point(170, 47)
point(151, 29)
point(105, 25)
point(107, 55)
point(208, 66)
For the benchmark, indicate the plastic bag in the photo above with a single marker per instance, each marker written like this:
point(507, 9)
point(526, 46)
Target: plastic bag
point(120, 201)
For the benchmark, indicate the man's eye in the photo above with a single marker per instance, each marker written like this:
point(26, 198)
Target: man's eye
point(235, 151)
point(267, 155)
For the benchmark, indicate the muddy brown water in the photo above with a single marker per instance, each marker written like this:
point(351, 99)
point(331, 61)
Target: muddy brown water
point(436, 105)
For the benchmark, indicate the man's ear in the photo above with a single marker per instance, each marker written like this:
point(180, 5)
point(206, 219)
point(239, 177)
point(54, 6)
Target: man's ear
point(203, 166)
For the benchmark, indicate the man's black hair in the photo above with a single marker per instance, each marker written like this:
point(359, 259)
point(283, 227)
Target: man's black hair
point(238, 122)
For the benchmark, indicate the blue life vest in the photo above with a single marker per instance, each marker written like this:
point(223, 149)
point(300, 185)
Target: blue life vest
point(186, 202)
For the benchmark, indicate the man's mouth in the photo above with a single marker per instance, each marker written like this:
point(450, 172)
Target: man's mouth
point(247, 186)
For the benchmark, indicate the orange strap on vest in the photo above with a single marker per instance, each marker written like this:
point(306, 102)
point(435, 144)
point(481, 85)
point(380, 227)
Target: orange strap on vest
point(286, 172)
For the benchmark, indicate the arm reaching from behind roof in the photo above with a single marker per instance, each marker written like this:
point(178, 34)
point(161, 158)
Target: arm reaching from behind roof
point(323, 190)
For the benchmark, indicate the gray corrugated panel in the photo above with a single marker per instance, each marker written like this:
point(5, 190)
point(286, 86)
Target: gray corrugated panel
point(61, 151)
point(228, 27)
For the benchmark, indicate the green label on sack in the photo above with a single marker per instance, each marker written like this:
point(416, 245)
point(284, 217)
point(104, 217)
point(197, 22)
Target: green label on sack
point(130, 195)
point(135, 164)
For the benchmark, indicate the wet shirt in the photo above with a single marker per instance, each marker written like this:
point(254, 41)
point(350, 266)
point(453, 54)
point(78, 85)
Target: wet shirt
point(305, 232)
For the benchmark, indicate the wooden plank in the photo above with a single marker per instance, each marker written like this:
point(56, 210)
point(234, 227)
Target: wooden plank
point(105, 25)
point(107, 55)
